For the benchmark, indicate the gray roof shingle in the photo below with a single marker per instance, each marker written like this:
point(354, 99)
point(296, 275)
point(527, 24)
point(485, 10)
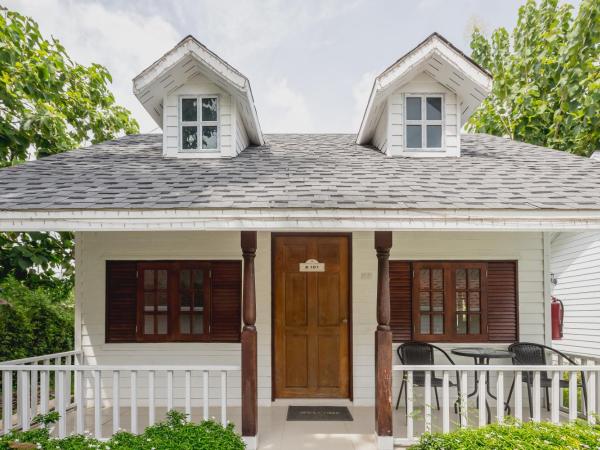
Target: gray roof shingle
point(304, 171)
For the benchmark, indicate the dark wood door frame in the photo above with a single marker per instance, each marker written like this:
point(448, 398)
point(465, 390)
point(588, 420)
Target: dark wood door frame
point(350, 318)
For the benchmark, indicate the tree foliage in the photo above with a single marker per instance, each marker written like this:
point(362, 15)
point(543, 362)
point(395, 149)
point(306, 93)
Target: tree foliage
point(48, 104)
point(546, 88)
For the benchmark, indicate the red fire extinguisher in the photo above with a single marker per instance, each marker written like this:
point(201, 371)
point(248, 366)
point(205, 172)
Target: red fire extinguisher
point(558, 313)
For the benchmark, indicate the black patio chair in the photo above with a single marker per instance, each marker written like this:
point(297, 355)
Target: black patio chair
point(422, 353)
point(531, 354)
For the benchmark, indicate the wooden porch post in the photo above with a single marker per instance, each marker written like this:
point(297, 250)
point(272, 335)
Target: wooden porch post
point(249, 364)
point(383, 343)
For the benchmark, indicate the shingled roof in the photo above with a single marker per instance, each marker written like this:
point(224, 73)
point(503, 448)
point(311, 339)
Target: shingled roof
point(304, 171)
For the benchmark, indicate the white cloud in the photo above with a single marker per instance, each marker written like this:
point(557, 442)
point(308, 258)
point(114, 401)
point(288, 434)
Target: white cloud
point(285, 110)
point(360, 92)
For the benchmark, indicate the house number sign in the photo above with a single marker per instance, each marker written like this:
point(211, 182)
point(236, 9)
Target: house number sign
point(312, 265)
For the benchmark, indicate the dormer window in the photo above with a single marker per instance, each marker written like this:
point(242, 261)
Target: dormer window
point(424, 122)
point(199, 123)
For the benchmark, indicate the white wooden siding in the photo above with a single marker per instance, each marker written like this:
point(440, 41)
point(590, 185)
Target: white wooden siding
point(197, 85)
point(575, 262)
point(241, 137)
point(422, 84)
point(94, 248)
point(380, 136)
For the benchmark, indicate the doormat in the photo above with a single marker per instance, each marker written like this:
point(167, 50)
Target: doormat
point(319, 413)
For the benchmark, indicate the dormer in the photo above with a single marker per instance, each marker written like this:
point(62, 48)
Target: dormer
point(419, 104)
point(203, 105)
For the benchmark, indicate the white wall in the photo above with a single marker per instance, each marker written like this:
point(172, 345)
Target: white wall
point(575, 262)
point(422, 84)
point(198, 85)
point(93, 249)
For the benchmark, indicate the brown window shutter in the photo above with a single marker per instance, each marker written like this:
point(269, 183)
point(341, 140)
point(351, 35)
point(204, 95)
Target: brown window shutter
point(226, 305)
point(502, 304)
point(401, 299)
point(121, 300)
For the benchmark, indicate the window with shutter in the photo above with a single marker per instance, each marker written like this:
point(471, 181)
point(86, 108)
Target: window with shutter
point(458, 301)
point(173, 301)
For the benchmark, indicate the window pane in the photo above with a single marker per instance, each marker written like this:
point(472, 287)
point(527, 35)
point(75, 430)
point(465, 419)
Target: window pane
point(461, 301)
point(474, 327)
point(461, 324)
point(413, 136)
point(184, 324)
point(425, 324)
point(474, 279)
point(148, 324)
point(198, 288)
point(162, 279)
point(184, 279)
point(161, 324)
point(189, 110)
point(461, 279)
point(186, 300)
point(438, 324)
point(437, 279)
point(424, 301)
point(424, 278)
point(209, 109)
point(148, 279)
point(189, 138)
point(413, 108)
point(198, 323)
point(437, 300)
point(162, 301)
point(209, 137)
point(434, 136)
point(473, 301)
point(434, 108)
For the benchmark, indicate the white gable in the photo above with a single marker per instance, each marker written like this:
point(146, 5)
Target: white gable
point(435, 68)
point(191, 70)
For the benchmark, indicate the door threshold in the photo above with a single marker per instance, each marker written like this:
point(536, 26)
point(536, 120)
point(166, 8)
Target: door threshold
point(312, 402)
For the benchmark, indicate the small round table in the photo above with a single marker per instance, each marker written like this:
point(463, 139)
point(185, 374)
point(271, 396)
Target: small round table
point(482, 356)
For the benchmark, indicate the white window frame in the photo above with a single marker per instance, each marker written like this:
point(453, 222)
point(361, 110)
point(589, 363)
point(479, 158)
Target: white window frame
point(199, 123)
point(424, 122)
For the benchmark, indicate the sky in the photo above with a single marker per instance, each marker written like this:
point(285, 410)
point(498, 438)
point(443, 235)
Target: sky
point(311, 63)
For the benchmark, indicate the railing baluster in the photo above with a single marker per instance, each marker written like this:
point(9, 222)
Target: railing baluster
point(223, 397)
point(464, 414)
point(60, 403)
point(97, 404)
point(79, 402)
point(69, 381)
point(188, 394)
point(427, 401)
point(519, 395)
point(409, 404)
point(24, 399)
point(33, 391)
point(169, 390)
point(572, 395)
point(536, 396)
point(116, 400)
point(7, 399)
point(500, 397)
point(555, 416)
point(133, 406)
point(151, 397)
point(18, 398)
point(591, 397)
point(446, 401)
point(44, 389)
point(205, 398)
point(481, 395)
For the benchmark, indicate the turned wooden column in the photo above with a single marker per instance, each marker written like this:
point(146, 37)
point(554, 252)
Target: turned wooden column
point(249, 364)
point(383, 337)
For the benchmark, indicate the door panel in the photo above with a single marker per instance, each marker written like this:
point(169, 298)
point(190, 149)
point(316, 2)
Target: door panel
point(311, 331)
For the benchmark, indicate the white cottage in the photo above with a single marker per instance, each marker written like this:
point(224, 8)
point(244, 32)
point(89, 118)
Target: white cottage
point(230, 273)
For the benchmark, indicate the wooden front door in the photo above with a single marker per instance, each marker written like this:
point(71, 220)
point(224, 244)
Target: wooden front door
point(311, 314)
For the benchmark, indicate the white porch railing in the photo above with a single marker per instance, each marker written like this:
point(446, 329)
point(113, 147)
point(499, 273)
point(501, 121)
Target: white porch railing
point(79, 388)
point(420, 415)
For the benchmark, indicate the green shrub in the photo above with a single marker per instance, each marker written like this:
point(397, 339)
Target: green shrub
point(175, 433)
point(514, 435)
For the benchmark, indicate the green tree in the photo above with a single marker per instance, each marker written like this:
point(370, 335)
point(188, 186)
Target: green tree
point(48, 104)
point(546, 87)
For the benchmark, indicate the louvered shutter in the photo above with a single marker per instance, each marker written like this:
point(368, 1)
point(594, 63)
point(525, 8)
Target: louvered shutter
point(502, 316)
point(121, 300)
point(226, 305)
point(400, 298)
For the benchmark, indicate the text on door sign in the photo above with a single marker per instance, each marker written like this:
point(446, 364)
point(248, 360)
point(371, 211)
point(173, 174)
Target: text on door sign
point(312, 265)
